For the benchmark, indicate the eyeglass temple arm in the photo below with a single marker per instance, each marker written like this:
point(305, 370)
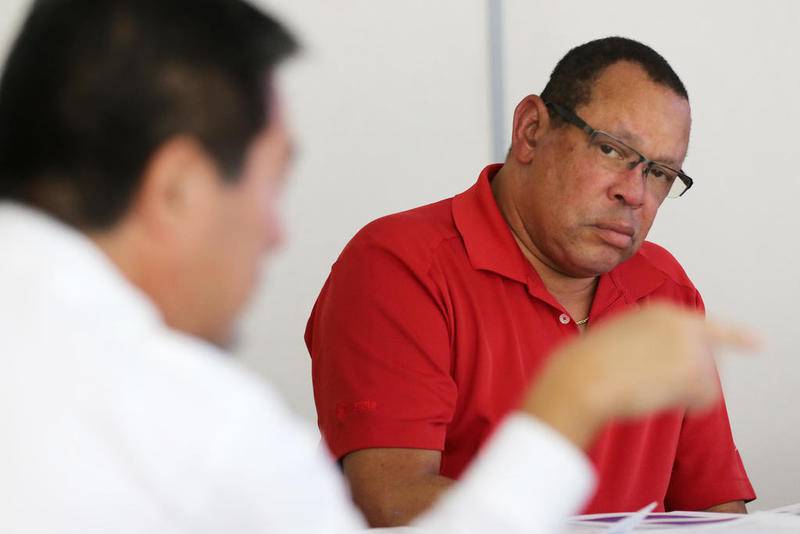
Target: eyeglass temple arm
point(570, 117)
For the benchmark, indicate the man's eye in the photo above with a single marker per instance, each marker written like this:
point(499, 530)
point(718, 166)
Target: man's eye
point(610, 151)
point(662, 174)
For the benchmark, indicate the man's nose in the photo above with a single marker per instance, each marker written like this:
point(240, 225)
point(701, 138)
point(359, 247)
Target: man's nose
point(631, 184)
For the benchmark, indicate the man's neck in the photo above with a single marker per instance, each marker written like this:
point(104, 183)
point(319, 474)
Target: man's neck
point(574, 293)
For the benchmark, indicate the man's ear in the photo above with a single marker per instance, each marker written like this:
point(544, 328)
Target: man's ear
point(177, 184)
point(531, 121)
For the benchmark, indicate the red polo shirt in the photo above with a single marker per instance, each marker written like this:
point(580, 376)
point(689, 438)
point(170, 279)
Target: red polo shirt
point(432, 324)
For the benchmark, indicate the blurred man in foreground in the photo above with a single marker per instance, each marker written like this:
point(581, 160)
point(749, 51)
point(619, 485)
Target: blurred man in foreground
point(142, 156)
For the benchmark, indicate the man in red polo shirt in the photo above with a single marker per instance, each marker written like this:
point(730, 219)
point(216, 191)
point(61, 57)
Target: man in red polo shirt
point(433, 321)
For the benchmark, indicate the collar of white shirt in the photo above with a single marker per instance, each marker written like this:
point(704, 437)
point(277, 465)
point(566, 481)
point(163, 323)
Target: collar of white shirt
point(51, 261)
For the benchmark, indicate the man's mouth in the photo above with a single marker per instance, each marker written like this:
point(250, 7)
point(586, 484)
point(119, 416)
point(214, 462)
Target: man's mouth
point(618, 235)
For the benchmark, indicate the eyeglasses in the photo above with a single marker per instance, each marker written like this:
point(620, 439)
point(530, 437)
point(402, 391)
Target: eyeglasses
point(612, 154)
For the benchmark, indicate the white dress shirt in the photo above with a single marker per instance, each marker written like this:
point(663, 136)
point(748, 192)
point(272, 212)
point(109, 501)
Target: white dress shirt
point(112, 422)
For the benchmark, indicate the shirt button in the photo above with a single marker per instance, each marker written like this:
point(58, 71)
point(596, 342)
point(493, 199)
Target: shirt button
point(564, 318)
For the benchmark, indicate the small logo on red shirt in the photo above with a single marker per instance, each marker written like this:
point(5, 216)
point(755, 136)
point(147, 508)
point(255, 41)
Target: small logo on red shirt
point(345, 409)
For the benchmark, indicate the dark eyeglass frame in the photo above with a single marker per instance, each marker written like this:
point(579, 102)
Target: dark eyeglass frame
point(572, 118)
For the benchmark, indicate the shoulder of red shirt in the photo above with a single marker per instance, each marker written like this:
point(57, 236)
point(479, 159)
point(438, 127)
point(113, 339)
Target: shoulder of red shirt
point(659, 258)
point(413, 235)
point(651, 263)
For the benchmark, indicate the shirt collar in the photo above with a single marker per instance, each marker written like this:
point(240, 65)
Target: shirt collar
point(63, 263)
point(487, 237)
point(491, 246)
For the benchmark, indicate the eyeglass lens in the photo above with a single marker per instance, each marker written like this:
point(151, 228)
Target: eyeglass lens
point(616, 156)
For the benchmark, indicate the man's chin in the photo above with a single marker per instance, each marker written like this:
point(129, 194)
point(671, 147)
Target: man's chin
point(223, 335)
point(602, 261)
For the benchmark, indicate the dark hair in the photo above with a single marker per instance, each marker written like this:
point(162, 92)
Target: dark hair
point(92, 88)
point(571, 82)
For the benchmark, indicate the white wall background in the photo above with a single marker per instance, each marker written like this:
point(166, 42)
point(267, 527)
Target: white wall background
point(390, 104)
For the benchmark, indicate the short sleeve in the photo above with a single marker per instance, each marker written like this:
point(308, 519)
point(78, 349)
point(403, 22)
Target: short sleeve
point(708, 469)
point(698, 302)
point(380, 349)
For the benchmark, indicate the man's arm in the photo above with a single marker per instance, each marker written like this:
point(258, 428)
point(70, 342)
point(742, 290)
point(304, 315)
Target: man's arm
point(381, 360)
point(733, 507)
point(708, 473)
point(392, 486)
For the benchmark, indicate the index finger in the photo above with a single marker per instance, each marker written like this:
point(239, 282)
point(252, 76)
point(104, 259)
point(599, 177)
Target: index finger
point(733, 336)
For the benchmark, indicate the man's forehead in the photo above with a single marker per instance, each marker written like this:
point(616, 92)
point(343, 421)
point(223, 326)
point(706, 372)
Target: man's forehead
point(662, 141)
point(624, 76)
point(628, 104)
